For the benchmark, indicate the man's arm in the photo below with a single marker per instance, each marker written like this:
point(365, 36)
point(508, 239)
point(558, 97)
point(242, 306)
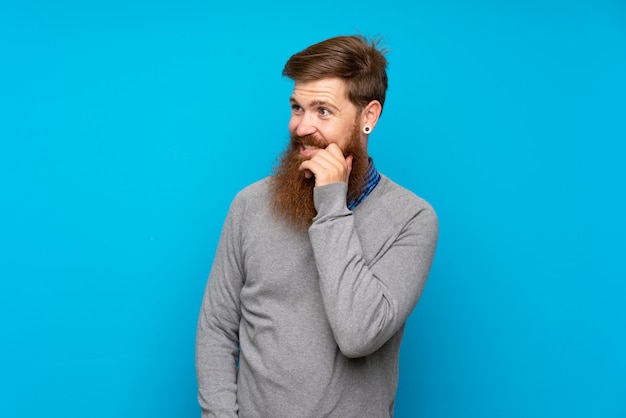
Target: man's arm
point(367, 304)
point(217, 338)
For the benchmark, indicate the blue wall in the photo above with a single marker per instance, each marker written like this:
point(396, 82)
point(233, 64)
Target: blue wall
point(127, 127)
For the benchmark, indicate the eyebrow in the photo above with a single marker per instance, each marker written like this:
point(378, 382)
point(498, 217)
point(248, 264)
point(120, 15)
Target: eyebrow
point(316, 103)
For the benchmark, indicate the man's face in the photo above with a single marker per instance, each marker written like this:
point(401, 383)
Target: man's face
point(321, 115)
point(321, 111)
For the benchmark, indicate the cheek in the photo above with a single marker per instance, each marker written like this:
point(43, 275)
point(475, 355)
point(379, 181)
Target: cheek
point(293, 123)
point(342, 137)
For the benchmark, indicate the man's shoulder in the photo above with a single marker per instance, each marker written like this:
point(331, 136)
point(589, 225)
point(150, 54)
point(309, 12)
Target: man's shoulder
point(249, 203)
point(399, 197)
point(399, 206)
point(251, 196)
point(255, 190)
point(392, 210)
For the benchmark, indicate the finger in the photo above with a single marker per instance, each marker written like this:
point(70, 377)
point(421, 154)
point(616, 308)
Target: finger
point(335, 151)
point(310, 167)
point(322, 160)
point(331, 158)
point(349, 164)
point(341, 164)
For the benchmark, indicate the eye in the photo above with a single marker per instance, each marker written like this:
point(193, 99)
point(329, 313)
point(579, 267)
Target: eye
point(296, 108)
point(324, 112)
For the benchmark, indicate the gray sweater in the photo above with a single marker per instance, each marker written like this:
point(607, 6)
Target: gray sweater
point(309, 325)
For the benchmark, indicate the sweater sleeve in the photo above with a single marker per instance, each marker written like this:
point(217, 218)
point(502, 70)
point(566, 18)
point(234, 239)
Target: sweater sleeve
point(217, 336)
point(367, 303)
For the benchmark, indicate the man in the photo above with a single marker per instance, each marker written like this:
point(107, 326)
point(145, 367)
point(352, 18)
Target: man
point(318, 266)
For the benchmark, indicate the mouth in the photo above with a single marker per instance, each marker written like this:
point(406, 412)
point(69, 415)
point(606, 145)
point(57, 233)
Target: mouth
point(307, 145)
point(308, 150)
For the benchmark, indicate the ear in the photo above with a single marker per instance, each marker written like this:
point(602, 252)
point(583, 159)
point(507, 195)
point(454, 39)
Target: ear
point(370, 115)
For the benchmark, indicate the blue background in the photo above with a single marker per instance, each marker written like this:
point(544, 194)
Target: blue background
point(126, 128)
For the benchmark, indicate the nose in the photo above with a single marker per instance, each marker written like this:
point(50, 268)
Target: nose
point(303, 125)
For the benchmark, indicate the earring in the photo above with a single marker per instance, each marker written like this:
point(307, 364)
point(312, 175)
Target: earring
point(366, 129)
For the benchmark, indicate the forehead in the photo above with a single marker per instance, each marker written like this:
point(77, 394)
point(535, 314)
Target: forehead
point(331, 90)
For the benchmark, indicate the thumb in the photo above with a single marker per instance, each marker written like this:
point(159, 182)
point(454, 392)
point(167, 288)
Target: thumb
point(349, 164)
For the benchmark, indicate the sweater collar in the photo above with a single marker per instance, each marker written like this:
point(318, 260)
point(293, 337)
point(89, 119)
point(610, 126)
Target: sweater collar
point(372, 177)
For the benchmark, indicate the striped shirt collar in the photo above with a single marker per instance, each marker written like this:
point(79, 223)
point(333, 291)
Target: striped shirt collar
point(372, 177)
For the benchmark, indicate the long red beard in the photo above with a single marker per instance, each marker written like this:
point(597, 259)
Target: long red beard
point(292, 192)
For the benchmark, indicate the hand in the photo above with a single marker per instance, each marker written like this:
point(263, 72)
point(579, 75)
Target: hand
point(328, 166)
